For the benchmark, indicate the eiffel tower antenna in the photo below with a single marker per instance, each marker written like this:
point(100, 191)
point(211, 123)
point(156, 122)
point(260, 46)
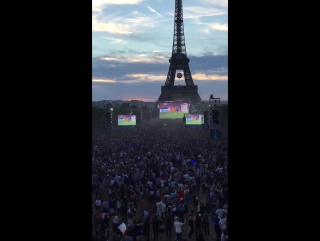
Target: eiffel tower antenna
point(179, 62)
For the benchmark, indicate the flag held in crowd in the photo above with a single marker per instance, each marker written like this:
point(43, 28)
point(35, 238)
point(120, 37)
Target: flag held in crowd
point(123, 228)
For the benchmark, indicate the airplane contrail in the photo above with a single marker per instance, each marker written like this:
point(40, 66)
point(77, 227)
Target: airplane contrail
point(152, 10)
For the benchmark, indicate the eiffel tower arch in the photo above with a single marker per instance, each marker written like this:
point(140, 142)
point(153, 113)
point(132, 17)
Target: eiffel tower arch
point(179, 62)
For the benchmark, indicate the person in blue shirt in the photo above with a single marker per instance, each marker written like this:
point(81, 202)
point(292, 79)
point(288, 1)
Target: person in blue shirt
point(173, 195)
point(217, 227)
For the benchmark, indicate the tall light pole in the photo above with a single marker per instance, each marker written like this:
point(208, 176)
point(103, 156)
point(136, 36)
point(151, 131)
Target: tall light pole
point(111, 117)
point(141, 113)
point(203, 106)
point(214, 104)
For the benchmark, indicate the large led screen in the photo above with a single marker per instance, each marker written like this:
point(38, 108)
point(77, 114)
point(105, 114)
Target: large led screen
point(127, 120)
point(194, 119)
point(173, 110)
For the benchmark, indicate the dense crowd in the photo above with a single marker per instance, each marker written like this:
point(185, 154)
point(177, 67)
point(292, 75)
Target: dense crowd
point(159, 181)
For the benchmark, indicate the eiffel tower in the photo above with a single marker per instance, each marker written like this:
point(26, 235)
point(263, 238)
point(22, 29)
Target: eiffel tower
point(179, 62)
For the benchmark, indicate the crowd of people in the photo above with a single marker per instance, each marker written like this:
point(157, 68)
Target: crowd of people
point(159, 181)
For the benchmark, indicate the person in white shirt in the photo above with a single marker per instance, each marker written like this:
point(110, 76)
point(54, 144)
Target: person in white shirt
point(219, 190)
point(178, 229)
point(186, 177)
point(130, 223)
point(145, 214)
point(225, 206)
point(119, 201)
point(98, 204)
point(223, 223)
point(162, 185)
point(157, 193)
point(220, 212)
point(115, 222)
point(159, 206)
point(164, 207)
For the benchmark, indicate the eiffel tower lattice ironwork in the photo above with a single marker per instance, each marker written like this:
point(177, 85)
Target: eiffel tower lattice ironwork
point(179, 62)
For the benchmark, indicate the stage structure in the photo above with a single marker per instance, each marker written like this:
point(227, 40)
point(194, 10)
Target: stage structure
point(179, 67)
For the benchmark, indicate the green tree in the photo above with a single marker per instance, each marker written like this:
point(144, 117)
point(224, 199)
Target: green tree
point(224, 116)
point(124, 105)
point(95, 117)
point(98, 116)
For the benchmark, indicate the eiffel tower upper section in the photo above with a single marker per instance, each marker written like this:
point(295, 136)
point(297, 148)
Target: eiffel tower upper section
point(179, 59)
point(179, 62)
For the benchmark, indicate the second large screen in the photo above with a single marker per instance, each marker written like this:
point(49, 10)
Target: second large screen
point(194, 119)
point(172, 110)
point(127, 120)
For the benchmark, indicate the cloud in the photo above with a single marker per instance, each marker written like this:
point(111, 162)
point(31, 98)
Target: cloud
point(112, 67)
point(217, 26)
point(113, 27)
point(103, 80)
point(202, 76)
point(129, 81)
point(137, 78)
point(213, 26)
point(153, 57)
point(98, 5)
point(146, 77)
point(117, 41)
point(118, 25)
point(221, 3)
point(196, 12)
point(152, 10)
point(109, 58)
point(150, 77)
